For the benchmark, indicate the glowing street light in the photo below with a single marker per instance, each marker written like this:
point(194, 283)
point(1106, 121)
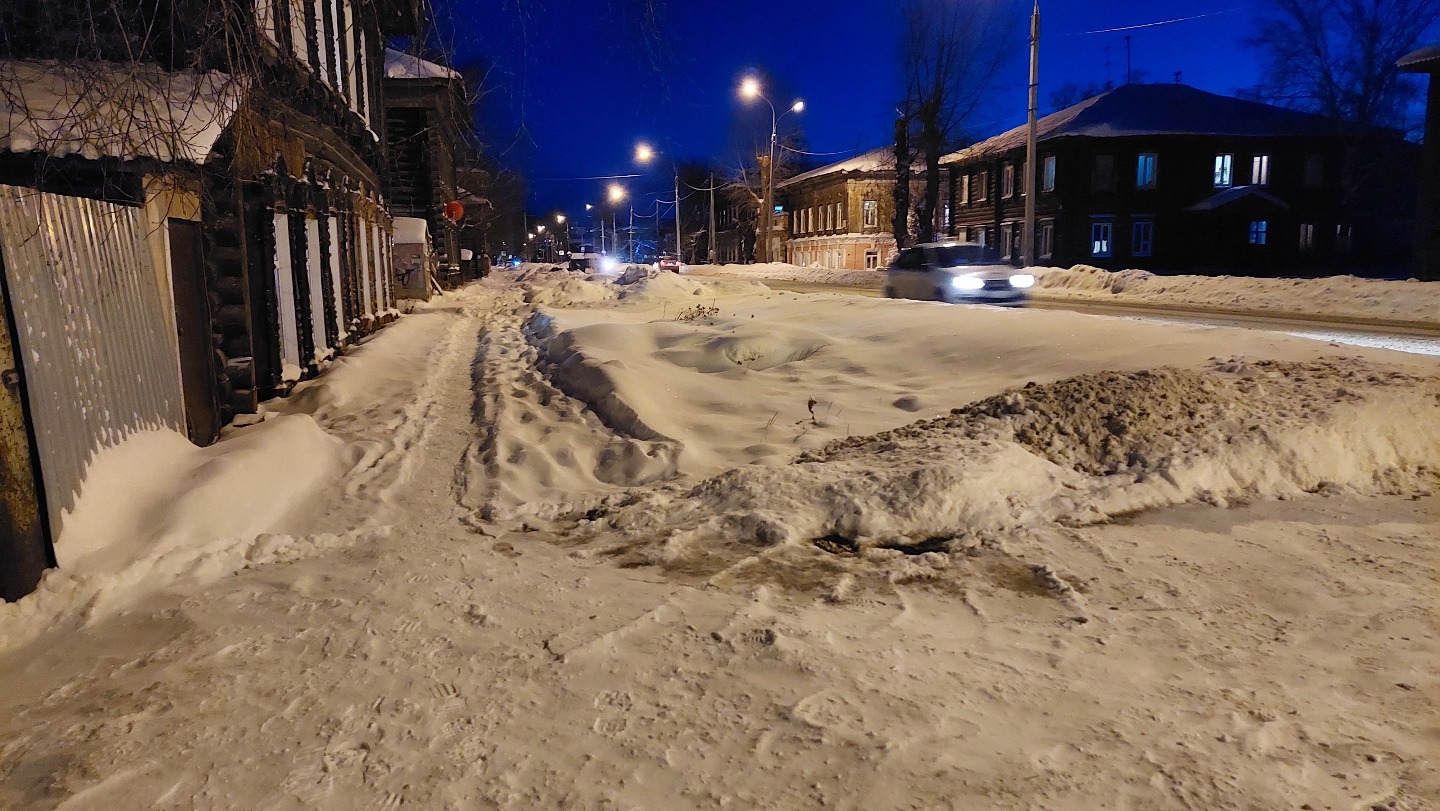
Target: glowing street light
point(750, 89)
point(643, 153)
point(560, 218)
point(589, 207)
point(617, 192)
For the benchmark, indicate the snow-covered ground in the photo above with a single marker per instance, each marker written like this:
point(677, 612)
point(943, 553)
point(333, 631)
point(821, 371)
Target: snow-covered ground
point(1333, 297)
point(566, 542)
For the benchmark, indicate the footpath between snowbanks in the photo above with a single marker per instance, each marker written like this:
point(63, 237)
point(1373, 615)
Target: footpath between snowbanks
point(1337, 297)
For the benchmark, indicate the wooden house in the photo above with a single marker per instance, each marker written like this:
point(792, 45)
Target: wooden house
point(191, 221)
point(1168, 177)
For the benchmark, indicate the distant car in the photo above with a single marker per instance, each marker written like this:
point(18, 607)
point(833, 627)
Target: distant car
point(956, 272)
point(587, 263)
point(669, 263)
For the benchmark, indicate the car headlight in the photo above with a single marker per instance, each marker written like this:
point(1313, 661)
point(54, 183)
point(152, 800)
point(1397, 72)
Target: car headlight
point(1022, 280)
point(968, 283)
point(607, 265)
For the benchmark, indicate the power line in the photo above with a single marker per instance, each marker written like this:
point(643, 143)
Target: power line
point(1152, 25)
point(569, 179)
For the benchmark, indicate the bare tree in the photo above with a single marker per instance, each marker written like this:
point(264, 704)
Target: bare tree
point(950, 57)
point(1337, 57)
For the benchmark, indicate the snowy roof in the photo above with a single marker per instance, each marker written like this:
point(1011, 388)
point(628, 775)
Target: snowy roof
point(406, 66)
point(876, 160)
point(1160, 109)
point(104, 109)
point(1425, 60)
point(1229, 196)
point(411, 231)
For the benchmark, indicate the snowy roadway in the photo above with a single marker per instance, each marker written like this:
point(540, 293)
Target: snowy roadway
point(1412, 341)
point(558, 543)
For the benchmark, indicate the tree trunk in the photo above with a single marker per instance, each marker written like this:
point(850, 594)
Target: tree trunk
point(930, 146)
point(900, 220)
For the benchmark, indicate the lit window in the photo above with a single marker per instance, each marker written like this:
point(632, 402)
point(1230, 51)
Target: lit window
point(1101, 236)
point(1048, 181)
point(1307, 237)
point(1142, 243)
point(1224, 171)
point(1260, 170)
point(872, 213)
point(1007, 181)
point(1145, 167)
point(1259, 232)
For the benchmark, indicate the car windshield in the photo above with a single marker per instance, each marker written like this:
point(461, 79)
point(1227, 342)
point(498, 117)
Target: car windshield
point(949, 256)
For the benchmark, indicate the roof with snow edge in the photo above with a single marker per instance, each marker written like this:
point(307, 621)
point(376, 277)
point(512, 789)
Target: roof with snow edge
point(876, 160)
point(1161, 109)
point(1228, 196)
point(108, 110)
point(1425, 60)
point(407, 66)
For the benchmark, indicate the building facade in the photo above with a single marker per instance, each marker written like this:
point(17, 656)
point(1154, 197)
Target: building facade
point(1427, 221)
point(840, 215)
point(1167, 177)
point(193, 221)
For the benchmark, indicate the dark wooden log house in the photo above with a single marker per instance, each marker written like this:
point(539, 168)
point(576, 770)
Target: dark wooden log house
point(1168, 177)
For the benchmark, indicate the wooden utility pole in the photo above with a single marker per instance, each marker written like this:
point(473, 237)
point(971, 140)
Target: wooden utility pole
point(1028, 255)
point(713, 252)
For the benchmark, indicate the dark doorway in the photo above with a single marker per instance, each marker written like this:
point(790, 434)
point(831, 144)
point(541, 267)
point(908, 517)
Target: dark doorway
point(192, 323)
point(25, 550)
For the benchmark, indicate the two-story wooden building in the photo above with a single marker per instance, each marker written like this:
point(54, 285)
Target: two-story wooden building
point(840, 214)
point(191, 221)
point(1168, 177)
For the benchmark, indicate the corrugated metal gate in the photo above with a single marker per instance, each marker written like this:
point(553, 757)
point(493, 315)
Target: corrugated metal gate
point(95, 336)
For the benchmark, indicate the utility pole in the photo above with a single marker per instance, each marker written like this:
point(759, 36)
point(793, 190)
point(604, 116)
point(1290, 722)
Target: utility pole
point(630, 238)
point(1028, 255)
point(679, 251)
point(1128, 71)
point(713, 253)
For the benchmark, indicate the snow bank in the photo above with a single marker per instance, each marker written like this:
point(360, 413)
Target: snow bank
point(1343, 296)
point(1078, 451)
point(780, 271)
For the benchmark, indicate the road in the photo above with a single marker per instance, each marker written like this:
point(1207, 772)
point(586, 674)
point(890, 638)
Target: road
point(1412, 339)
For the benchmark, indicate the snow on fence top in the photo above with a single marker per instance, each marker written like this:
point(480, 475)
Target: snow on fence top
point(405, 66)
point(98, 110)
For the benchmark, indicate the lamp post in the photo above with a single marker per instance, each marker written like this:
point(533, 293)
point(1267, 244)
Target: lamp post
point(750, 89)
point(616, 196)
point(644, 153)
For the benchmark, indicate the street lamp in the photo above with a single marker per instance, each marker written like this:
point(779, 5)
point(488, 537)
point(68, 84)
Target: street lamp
point(750, 89)
point(644, 153)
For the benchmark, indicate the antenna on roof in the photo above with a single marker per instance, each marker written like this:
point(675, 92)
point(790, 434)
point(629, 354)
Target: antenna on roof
point(1128, 72)
point(1109, 85)
point(1177, 77)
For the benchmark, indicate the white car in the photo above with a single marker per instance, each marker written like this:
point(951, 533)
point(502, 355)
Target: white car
point(956, 272)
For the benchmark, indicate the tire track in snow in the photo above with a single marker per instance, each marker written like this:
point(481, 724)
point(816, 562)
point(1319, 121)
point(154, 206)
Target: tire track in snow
point(537, 446)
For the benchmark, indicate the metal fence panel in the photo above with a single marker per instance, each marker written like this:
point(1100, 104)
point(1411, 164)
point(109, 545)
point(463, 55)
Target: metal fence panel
point(101, 360)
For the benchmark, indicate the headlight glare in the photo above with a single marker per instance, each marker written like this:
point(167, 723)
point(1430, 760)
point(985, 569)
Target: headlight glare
point(1022, 280)
point(968, 283)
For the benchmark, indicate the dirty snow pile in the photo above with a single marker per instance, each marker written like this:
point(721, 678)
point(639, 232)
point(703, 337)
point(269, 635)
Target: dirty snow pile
point(1343, 296)
point(781, 271)
point(1075, 452)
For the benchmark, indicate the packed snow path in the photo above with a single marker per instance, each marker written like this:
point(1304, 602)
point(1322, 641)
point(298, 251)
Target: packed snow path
point(515, 597)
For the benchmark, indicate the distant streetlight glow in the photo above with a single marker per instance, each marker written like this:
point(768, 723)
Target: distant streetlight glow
point(560, 218)
point(617, 192)
point(798, 107)
point(540, 228)
point(750, 88)
point(589, 207)
point(644, 153)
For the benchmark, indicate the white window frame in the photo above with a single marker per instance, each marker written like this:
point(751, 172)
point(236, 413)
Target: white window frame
point(871, 213)
point(1147, 179)
point(1047, 239)
point(1224, 170)
point(1007, 182)
point(1260, 170)
point(1102, 247)
point(1047, 179)
point(982, 187)
point(965, 190)
point(1307, 237)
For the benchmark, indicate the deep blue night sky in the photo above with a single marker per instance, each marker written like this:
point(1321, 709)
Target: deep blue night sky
point(576, 83)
